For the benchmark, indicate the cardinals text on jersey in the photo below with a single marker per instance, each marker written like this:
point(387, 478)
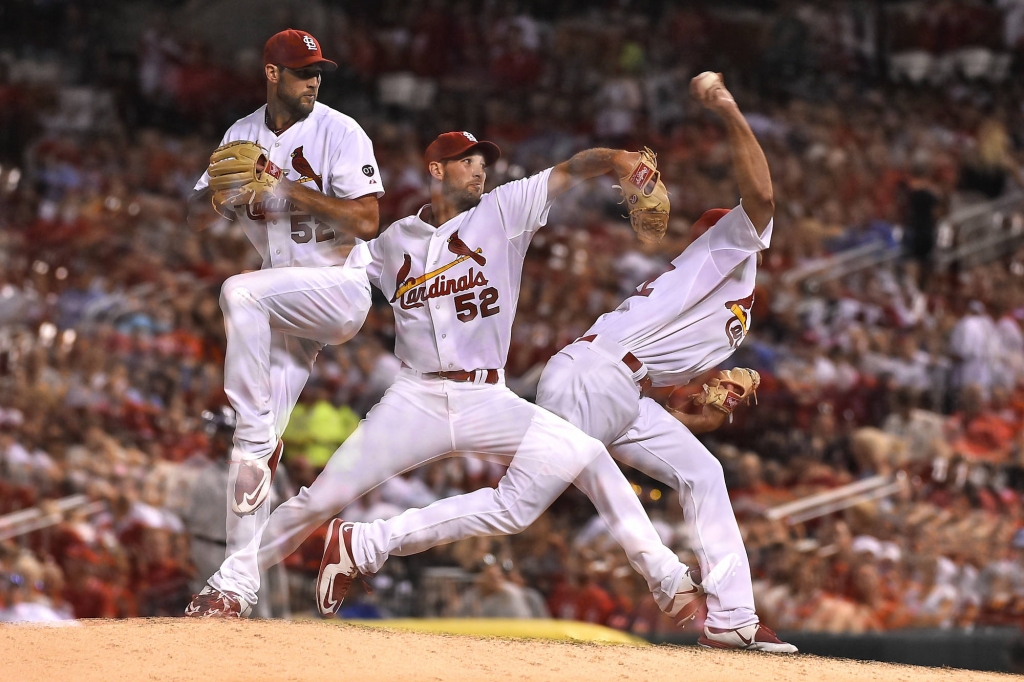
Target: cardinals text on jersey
point(454, 287)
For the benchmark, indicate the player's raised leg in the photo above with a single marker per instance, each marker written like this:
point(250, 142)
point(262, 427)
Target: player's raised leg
point(264, 372)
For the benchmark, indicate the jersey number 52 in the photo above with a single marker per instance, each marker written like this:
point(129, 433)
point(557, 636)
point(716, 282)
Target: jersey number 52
point(304, 226)
point(466, 308)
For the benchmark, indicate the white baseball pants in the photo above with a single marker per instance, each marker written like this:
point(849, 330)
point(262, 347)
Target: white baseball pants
point(420, 419)
point(576, 385)
point(525, 490)
point(589, 386)
point(277, 320)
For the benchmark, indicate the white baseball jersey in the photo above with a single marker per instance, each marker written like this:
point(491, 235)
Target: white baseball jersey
point(454, 288)
point(694, 316)
point(326, 151)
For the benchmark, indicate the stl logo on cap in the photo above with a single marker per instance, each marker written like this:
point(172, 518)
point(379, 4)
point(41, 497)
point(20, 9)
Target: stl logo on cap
point(469, 136)
point(310, 43)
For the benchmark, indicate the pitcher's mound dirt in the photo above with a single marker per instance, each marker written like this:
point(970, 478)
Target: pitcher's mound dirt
point(256, 650)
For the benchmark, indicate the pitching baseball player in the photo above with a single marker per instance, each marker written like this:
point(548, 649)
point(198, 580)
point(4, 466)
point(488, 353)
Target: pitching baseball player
point(675, 327)
point(452, 274)
point(301, 180)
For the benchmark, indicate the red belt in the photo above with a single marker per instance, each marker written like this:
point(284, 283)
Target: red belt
point(464, 375)
point(634, 365)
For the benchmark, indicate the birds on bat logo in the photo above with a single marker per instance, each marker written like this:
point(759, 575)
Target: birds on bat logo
point(411, 292)
point(737, 326)
point(305, 170)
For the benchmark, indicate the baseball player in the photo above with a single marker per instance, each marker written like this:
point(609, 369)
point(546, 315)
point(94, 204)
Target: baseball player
point(452, 274)
point(674, 328)
point(300, 178)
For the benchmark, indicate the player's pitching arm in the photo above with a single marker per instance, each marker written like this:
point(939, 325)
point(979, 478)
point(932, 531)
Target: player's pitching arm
point(749, 163)
point(357, 217)
point(590, 163)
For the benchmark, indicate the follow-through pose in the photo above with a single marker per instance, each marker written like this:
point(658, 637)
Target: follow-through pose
point(452, 274)
point(675, 327)
point(301, 180)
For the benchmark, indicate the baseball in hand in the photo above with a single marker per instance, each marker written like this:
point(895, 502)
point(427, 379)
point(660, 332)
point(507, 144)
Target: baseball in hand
point(705, 81)
point(702, 85)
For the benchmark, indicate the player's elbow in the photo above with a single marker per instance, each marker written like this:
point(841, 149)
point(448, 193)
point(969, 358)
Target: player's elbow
point(765, 200)
point(760, 207)
point(194, 220)
point(367, 228)
point(199, 208)
point(368, 221)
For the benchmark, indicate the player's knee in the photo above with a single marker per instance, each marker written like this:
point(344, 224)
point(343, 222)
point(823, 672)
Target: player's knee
point(318, 508)
point(511, 518)
point(589, 449)
point(709, 476)
point(235, 292)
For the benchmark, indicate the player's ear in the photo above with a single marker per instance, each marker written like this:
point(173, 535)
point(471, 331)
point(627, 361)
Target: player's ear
point(436, 170)
point(272, 72)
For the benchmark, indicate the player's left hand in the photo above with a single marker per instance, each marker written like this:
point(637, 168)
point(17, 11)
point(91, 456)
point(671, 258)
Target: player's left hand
point(647, 198)
point(727, 389)
point(241, 173)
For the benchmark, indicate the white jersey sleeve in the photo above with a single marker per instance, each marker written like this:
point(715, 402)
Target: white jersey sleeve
point(353, 170)
point(733, 238)
point(371, 256)
point(523, 206)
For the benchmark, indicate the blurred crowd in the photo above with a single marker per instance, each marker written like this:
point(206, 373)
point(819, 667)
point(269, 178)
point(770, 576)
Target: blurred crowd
point(111, 338)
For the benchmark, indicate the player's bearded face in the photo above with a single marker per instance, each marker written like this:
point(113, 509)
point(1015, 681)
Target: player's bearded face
point(297, 89)
point(463, 181)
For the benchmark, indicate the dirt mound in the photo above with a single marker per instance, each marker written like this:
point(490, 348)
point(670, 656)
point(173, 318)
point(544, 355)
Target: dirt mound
point(255, 650)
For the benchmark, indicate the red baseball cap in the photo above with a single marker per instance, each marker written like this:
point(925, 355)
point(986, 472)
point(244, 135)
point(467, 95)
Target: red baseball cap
point(706, 221)
point(295, 50)
point(455, 145)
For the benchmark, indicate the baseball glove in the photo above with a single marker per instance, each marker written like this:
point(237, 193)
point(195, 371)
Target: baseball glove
point(647, 198)
point(241, 173)
point(729, 388)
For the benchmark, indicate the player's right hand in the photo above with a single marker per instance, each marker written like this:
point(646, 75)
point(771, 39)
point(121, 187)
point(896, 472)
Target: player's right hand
point(225, 200)
point(709, 89)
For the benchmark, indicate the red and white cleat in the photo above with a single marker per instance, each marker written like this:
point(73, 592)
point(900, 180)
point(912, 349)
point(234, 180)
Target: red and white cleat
point(754, 637)
point(686, 601)
point(211, 603)
point(254, 480)
point(337, 568)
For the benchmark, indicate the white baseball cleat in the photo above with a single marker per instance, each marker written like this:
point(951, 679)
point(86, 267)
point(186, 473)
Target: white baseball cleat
point(337, 568)
point(686, 601)
point(753, 637)
point(254, 480)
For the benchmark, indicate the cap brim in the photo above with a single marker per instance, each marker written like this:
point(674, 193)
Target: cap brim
point(488, 149)
point(326, 64)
